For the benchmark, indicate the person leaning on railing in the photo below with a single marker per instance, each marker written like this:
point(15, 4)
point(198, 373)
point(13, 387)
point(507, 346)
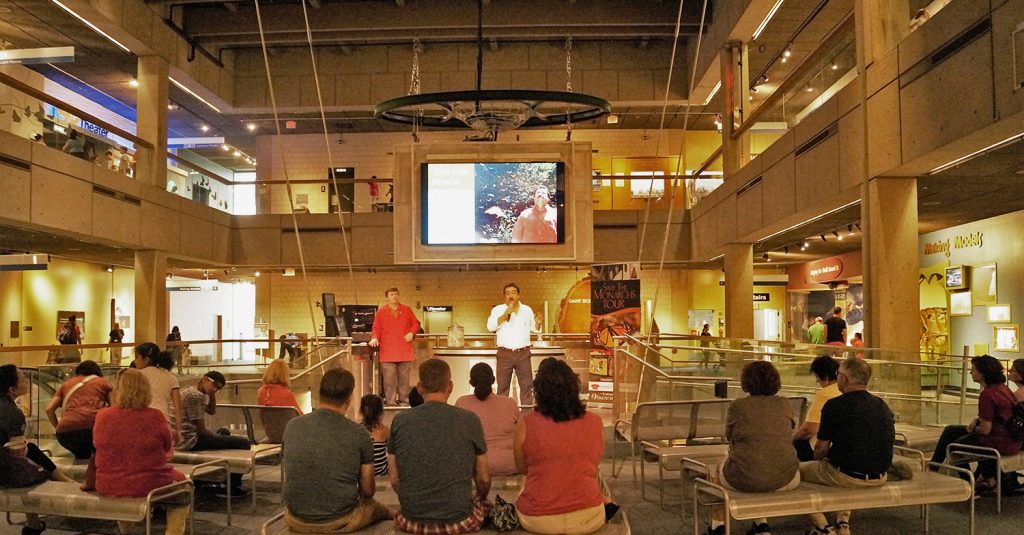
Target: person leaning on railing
point(79, 399)
point(995, 407)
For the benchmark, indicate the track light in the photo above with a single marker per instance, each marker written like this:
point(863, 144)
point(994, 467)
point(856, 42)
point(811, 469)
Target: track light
point(204, 128)
point(257, 274)
point(765, 256)
point(110, 269)
point(789, 51)
point(225, 148)
point(849, 230)
point(133, 83)
point(786, 249)
point(169, 276)
point(858, 225)
point(822, 236)
point(251, 127)
point(835, 67)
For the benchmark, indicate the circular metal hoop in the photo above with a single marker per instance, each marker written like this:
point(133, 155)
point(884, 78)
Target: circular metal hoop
point(492, 110)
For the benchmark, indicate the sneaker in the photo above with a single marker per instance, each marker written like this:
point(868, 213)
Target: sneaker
point(827, 530)
point(720, 530)
point(760, 529)
point(842, 528)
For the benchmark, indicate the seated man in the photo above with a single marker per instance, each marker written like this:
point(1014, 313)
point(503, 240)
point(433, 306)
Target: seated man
point(435, 456)
point(329, 462)
point(855, 440)
point(199, 399)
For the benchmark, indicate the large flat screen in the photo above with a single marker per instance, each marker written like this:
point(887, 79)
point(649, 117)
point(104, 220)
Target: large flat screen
point(492, 202)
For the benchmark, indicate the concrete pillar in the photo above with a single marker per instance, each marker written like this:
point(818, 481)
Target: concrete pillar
point(889, 221)
point(730, 149)
point(881, 25)
point(150, 297)
point(739, 290)
point(151, 118)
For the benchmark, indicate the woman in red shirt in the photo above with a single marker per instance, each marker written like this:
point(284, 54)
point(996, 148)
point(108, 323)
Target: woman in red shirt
point(559, 446)
point(79, 399)
point(276, 390)
point(394, 327)
point(133, 444)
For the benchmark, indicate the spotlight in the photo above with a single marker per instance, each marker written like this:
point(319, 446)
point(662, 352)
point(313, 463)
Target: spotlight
point(858, 225)
point(753, 89)
point(133, 83)
point(765, 256)
point(783, 60)
point(835, 67)
point(236, 153)
point(225, 148)
point(251, 127)
point(822, 236)
point(849, 230)
point(204, 128)
point(110, 269)
point(169, 276)
point(809, 89)
point(789, 51)
point(807, 243)
point(835, 233)
point(257, 274)
point(786, 249)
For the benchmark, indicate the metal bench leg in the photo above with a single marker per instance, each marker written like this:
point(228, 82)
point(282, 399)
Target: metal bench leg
point(252, 475)
point(927, 517)
point(972, 513)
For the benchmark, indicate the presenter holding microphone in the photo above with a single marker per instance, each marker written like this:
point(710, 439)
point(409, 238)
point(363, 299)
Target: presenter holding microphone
point(513, 322)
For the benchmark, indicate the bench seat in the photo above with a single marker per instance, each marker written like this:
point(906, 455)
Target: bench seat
point(918, 438)
point(239, 461)
point(67, 499)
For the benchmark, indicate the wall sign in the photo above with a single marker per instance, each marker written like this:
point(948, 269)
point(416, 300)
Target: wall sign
point(437, 308)
point(825, 270)
point(760, 297)
point(961, 241)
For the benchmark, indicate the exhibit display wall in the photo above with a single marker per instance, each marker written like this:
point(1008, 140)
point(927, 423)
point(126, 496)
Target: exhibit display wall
point(992, 250)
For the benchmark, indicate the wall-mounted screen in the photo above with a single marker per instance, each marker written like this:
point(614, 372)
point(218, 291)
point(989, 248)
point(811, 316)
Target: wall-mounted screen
point(492, 203)
point(957, 278)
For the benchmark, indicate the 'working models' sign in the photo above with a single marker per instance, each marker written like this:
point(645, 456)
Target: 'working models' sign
point(960, 241)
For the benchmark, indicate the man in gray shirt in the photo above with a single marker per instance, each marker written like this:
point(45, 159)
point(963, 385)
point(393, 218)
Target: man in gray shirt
point(328, 461)
point(436, 454)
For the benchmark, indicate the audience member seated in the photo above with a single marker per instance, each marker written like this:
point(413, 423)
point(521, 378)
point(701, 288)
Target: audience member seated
point(759, 429)
point(371, 408)
point(824, 369)
point(855, 440)
point(155, 366)
point(995, 407)
point(1016, 376)
point(276, 390)
point(498, 415)
point(200, 399)
point(133, 443)
point(79, 399)
point(329, 462)
point(559, 446)
point(435, 456)
point(14, 384)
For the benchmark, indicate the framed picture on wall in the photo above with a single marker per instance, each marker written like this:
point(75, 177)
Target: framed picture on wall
point(984, 290)
point(1006, 338)
point(960, 304)
point(999, 313)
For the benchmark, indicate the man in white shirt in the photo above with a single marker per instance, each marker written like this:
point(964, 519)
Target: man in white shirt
point(513, 323)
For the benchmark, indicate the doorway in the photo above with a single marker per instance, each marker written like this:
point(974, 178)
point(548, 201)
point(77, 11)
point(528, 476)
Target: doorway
point(342, 197)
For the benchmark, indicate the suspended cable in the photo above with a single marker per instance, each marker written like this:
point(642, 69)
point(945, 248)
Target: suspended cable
point(661, 127)
point(284, 166)
point(330, 157)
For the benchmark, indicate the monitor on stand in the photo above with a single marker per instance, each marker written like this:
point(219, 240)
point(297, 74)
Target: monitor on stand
point(358, 321)
point(332, 326)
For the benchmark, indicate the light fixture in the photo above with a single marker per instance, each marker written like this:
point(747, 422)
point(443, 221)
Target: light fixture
point(133, 83)
point(807, 243)
point(753, 89)
point(785, 249)
point(789, 51)
point(182, 87)
point(251, 127)
point(110, 269)
point(953, 163)
point(204, 128)
point(809, 89)
point(835, 66)
point(767, 19)
point(613, 119)
point(857, 225)
point(225, 148)
point(766, 257)
point(714, 90)
point(257, 274)
point(718, 122)
point(169, 276)
point(822, 236)
point(92, 26)
point(236, 154)
point(849, 230)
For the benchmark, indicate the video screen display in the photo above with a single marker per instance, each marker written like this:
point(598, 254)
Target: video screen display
point(492, 203)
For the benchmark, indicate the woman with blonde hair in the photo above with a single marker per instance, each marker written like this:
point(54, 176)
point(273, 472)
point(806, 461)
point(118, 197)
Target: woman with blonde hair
point(276, 390)
point(133, 443)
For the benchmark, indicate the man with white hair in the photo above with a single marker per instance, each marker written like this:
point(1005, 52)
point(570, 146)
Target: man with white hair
point(816, 332)
point(539, 223)
point(855, 440)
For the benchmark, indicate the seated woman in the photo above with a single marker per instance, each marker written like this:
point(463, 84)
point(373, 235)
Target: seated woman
point(826, 371)
point(1016, 376)
point(133, 443)
point(498, 415)
point(995, 407)
point(165, 393)
point(79, 399)
point(371, 408)
point(559, 446)
point(14, 384)
point(276, 390)
point(759, 429)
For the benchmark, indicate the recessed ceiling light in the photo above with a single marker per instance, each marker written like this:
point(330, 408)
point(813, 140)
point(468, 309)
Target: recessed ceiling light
point(225, 148)
point(204, 128)
point(133, 83)
point(251, 127)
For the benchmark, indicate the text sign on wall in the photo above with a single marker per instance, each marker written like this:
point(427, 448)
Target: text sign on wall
point(28, 56)
point(760, 297)
point(825, 270)
point(437, 308)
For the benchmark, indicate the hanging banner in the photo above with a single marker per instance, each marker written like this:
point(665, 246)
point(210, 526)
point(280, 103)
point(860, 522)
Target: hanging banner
point(614, 311)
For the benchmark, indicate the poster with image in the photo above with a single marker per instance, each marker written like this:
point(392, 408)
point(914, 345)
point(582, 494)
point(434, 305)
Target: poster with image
point(614, 311)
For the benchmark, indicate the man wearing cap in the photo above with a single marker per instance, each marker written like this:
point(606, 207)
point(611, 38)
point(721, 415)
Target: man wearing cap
point(200, 399)
point(816, 332)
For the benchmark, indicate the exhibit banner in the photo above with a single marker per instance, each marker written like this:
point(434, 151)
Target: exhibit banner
point(614, 311)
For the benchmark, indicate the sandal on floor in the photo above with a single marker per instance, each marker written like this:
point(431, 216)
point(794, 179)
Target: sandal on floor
point(26, 530)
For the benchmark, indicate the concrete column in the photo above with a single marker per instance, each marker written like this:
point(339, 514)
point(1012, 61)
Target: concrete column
point(881, 25)
point(150, 296)
point(739, 290)
point(151, 112)
point(735, 92)
point(889, 221)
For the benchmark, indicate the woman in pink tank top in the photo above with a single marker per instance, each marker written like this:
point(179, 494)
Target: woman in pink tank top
point(559, 446)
